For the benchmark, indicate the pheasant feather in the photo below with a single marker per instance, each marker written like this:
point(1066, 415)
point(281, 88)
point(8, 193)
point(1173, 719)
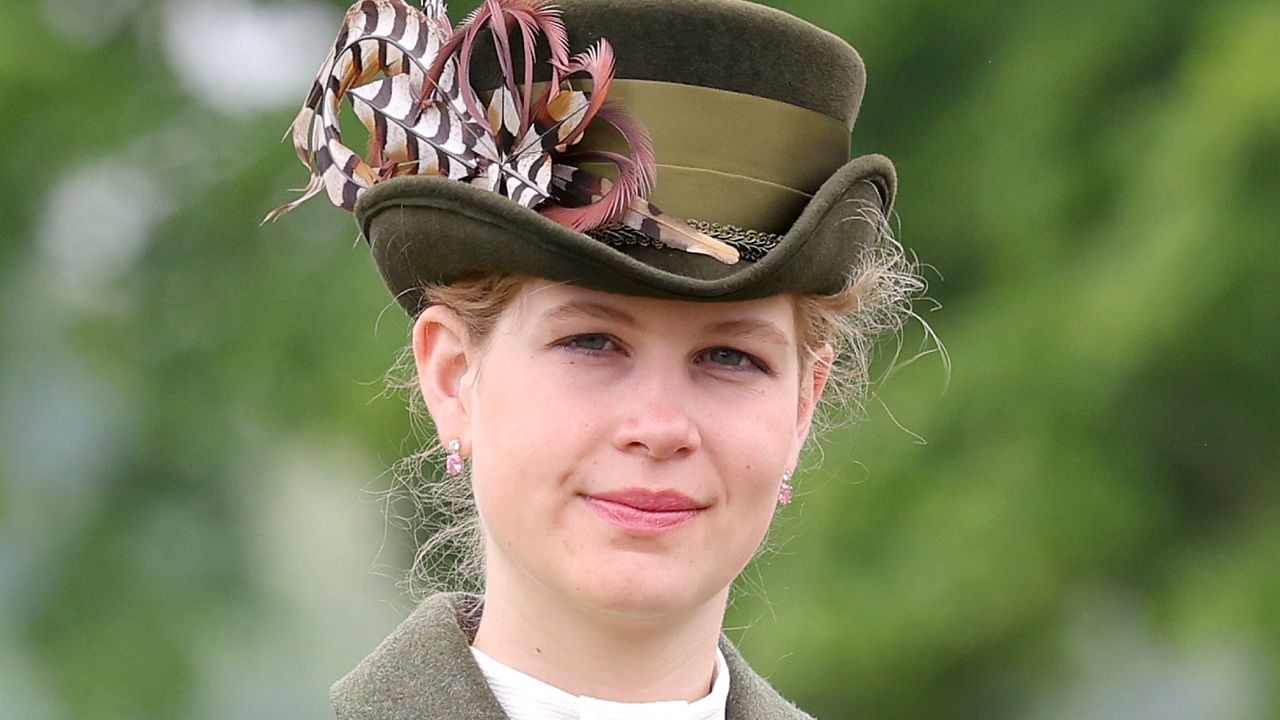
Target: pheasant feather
point(407, 75)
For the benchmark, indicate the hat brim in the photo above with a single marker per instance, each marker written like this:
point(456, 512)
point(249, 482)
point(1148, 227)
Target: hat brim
point(427, 231)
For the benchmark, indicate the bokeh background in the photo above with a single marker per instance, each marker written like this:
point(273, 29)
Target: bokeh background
point(1083, 523)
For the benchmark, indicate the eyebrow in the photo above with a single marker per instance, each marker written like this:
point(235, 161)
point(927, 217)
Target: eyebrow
point(585, 308)
point(750, 328)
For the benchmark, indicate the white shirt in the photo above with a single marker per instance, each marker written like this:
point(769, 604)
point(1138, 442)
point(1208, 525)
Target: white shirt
point(524, 697)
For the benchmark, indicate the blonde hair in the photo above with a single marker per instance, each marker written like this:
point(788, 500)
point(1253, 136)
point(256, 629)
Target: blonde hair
point(438, 510)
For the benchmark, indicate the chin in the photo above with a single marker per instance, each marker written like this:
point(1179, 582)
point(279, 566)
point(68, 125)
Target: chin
point(639, 599)
point(645, 588)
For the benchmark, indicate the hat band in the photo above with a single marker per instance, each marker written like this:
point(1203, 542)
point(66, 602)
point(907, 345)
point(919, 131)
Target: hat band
point(721, 197)
point(728, 157)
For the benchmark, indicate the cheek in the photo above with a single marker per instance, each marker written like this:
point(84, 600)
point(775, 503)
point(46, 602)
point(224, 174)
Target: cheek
point(525, 430)
point(760, 425)
point(500, 461)
point(768, 440)
point(754, 446)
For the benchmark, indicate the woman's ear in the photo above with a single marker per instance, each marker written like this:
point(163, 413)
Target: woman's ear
point(440, 353)
point(812, 383)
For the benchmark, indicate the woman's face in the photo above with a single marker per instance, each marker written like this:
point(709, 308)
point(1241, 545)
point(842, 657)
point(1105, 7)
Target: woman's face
point(627, 452)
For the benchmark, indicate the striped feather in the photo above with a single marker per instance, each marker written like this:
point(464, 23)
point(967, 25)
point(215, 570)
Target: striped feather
point(583, 187)
point(406, 73)
point(434, 140)
point(377, 37)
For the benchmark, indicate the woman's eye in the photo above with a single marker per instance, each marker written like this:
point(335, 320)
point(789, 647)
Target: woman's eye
point(590, 343)
point(730, 358)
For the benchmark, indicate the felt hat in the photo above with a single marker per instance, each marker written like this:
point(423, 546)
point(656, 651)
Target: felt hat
point(750, 113)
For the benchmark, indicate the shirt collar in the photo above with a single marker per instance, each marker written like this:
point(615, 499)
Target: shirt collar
point(524, 697)
point(425, 669)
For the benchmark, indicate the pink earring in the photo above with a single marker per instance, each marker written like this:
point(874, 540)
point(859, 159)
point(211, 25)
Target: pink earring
point(454, 463)
point(784, 492)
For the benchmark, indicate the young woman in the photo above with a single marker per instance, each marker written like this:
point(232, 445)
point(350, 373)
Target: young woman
point(628, 300)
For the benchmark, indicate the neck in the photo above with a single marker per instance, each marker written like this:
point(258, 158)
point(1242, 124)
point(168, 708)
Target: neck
point(600, 654)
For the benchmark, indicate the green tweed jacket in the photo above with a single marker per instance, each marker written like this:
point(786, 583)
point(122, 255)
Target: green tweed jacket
point(424, 671)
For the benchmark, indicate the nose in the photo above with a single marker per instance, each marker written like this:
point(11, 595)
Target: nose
point(656, 418)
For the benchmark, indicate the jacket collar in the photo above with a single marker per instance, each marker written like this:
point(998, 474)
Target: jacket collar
point(424, 671)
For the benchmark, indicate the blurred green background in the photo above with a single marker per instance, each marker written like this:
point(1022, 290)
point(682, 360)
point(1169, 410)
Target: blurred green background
point(192, 431)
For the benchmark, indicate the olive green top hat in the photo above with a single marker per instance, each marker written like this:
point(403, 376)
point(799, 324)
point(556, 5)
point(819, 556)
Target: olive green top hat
point(749, 112)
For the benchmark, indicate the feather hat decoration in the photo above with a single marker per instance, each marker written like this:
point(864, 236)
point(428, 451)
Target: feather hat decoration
point(407, 74)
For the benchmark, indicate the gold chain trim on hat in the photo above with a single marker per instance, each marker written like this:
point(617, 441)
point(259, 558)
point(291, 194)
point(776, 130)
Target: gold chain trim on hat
point(751, 244)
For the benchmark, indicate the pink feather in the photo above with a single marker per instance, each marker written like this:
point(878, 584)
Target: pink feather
point(598, 62)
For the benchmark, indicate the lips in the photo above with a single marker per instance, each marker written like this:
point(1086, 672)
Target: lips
point(645, 512)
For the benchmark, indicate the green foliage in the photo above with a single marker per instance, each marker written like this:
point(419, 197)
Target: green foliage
point(191, 404)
